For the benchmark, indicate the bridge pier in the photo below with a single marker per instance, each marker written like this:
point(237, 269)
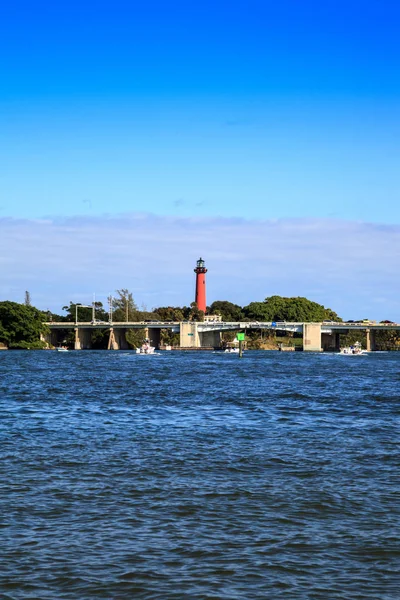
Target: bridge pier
point(312, 337)
point(120, 339)
point(210, 339)
point(331, 341)
point(112, 343)
point(83, 339)
point(51, 338)
point(154, 335)
point(371, 340)
point(189, 336)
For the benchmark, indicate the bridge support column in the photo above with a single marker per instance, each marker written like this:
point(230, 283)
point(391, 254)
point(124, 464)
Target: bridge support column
point(371, 340)
point(154, 335)
point(77, 345)
point(336, 337)
point(112, 343)
point(120, 340)
point(210, 339)
point(83, 339)
point(189, 336)
point(312, 337)
point(330, 341)
point(51, 338)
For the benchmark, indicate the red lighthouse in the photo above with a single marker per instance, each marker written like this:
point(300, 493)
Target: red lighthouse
point(201, 271)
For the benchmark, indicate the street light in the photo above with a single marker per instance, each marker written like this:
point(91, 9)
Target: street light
point(76, 310)
point(110, 308)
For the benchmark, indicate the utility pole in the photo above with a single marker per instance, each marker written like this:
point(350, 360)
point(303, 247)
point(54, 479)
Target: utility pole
point(83, 306)
point(76, 313)
point(110, 308)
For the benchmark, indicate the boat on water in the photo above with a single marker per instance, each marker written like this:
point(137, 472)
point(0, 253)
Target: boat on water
point(355, 350)
point(232, 348)
point(62, 349)
point(145, 348)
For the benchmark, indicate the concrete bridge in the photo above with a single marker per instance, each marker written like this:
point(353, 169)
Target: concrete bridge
point(195, 335)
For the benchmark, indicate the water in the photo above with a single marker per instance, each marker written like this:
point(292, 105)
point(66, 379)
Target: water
point(199, 476)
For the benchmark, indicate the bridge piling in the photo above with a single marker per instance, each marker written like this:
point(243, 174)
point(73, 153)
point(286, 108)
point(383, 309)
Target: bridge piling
point(312, 337)
point(77, 343)
point(112, 344)
point(154, 335)
point(371, 340)
point(189, 336)
point(83, 339)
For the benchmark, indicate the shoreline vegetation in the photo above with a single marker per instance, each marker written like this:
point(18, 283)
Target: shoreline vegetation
point(22, 326)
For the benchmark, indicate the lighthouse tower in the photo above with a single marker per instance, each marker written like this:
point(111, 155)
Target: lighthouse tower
point(201, 271)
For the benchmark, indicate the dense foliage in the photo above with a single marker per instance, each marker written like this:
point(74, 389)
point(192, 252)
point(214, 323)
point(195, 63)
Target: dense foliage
point(274, 308)
point(184, 313)
point(81, 313)
point(21, 325)
point(227, 310)
point(278, 308)
point(135, 337)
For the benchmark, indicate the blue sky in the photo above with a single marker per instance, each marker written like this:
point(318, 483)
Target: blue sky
point(215, 110)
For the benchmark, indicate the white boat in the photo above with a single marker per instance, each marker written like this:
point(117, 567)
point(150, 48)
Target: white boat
point(355, 350)
point(62, 349)
point(232, 348)
point(145, 348)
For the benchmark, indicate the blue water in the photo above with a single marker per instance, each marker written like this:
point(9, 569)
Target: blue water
point(199, 476)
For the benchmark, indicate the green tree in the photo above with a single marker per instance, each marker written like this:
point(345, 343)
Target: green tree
point(227, 310)
point(195, 314)
point(388, 340)
point(170, 313)
point(84, 313)
point(124, 306)
point(21, 325)
point(278, 308)
point(257, 311)
point(135, 337)
point(168, 337)
point(143, 315)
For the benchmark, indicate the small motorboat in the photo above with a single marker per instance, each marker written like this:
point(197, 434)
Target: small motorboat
point(232, 348)
point(145, 348)
point(62, 349)
point(355, 350)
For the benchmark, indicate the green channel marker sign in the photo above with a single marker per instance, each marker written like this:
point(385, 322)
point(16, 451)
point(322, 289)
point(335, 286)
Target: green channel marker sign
point(190, 333)
point(240, 337)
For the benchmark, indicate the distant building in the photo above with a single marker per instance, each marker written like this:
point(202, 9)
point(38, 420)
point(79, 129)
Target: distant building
point(212, 318)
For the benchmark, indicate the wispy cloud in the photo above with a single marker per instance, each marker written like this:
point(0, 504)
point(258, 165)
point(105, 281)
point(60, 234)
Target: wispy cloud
point(349, 266)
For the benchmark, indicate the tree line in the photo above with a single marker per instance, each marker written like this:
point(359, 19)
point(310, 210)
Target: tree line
point(22, 325)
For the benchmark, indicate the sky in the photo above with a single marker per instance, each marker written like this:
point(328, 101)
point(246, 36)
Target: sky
point(263, 136)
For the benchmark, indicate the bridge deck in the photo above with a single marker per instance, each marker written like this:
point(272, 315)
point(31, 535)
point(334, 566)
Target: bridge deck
point(225, 326)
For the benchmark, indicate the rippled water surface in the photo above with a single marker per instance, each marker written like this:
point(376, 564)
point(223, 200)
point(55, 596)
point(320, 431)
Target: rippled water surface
point(199, 475)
